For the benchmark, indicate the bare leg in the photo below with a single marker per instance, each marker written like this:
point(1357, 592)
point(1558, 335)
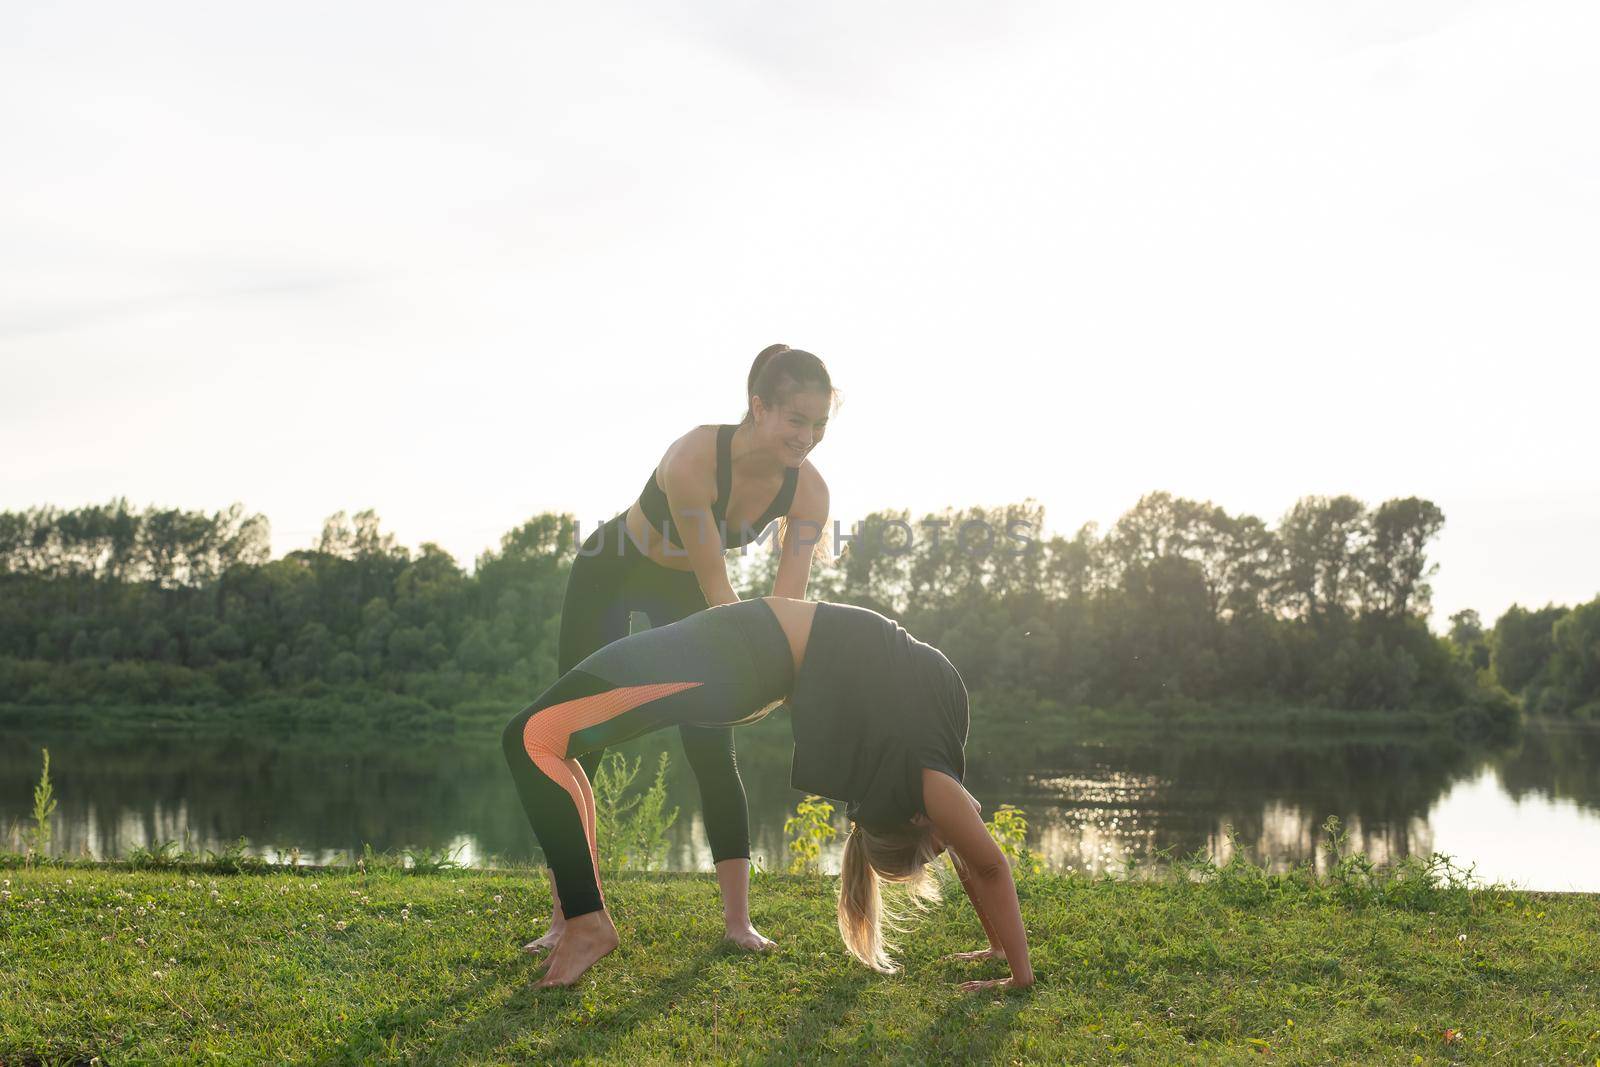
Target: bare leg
point(733, 878)
point(558, 923)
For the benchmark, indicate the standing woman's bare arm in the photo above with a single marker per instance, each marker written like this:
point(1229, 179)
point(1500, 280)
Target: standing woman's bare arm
point(689, 488)
point(805, 527)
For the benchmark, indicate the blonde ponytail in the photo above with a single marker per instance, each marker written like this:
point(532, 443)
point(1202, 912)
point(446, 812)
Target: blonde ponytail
point(871, 856)
point(861, 906)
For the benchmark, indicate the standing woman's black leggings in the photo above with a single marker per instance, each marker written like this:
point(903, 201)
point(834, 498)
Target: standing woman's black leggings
point(610, 578)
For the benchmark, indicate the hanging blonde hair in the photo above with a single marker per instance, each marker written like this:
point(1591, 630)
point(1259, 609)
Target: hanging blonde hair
point(899, 855)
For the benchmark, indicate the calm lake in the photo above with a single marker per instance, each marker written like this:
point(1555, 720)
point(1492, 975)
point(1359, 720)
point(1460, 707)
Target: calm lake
point(1527, 814)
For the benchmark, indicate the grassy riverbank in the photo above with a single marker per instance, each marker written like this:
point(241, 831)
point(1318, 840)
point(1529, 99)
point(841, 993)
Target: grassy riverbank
point(1019, 720)
point(178, 965)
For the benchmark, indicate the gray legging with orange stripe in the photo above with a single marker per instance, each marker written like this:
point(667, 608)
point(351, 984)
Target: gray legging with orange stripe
point(724, 666)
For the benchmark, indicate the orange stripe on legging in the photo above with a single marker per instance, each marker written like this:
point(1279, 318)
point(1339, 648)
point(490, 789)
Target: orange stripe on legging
point(547, 732)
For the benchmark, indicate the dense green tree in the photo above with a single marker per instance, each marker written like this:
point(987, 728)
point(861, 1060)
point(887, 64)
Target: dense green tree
point(1396, 564)
point(1574, 669)
point(1522, 644)
point(1470, 638)
point(1324, 541)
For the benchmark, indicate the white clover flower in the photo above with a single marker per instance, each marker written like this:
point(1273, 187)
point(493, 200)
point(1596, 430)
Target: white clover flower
point(497, 898)
point(405, 914)
point(155, 974)
point(340, 925)
point(1462, 938)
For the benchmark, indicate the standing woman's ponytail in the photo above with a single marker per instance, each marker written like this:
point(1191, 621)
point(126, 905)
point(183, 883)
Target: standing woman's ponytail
point(763, 357)
point(779, 372)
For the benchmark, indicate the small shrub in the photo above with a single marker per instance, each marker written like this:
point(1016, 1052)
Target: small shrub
point(1350, 874)
point(44, 806)
point(1009, 828)
point(161, 856)
point(233, 858)
point(807, 830)
point(1240, 881)
point(432, 861)
point(645, 835)
point(632, 830)
point(611, 781)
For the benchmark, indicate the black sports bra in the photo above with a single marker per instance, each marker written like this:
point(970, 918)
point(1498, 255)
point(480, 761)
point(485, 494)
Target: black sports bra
point(653, 501)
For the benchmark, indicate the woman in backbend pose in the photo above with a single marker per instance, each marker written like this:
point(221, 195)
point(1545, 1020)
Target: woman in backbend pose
point(717, 487)
point(879, 719)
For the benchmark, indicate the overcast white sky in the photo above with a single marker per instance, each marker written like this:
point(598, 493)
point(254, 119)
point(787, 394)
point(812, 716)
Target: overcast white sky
point(467, 263)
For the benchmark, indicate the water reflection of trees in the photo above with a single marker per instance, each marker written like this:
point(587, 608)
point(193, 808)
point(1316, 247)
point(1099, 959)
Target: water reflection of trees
point(330, 796)
point(316, 796)
point(1090, 807)
point(1557, 760)
point(1106, 803)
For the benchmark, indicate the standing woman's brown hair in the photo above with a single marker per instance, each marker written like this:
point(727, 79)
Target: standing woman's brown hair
point(779, 372)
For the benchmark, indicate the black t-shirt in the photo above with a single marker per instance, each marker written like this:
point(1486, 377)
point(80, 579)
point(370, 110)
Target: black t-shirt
point(871, 707)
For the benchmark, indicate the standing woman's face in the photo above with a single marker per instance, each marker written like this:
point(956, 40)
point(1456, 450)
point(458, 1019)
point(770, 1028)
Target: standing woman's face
point(792, 429)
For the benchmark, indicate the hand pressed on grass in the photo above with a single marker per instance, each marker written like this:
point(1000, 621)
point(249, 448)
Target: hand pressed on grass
point(979, 954)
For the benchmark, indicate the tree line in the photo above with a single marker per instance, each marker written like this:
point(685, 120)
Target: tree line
point(1178, 601)
point(1549, 656)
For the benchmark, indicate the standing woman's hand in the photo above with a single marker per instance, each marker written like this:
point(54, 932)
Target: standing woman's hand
point(690, 488)
point(994, 983)
point(803, 530)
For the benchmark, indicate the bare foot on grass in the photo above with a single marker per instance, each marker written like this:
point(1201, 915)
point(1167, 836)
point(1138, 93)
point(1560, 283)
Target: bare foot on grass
point(750, 939)
point(586, 940)
point(551, 938)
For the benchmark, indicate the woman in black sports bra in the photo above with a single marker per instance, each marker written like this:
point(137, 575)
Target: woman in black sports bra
point(716, 487)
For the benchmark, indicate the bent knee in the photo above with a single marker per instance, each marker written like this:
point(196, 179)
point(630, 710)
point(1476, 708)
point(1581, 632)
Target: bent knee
point(511, 738)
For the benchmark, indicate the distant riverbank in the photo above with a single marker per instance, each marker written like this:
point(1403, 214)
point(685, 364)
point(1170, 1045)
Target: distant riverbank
point(1023, 721)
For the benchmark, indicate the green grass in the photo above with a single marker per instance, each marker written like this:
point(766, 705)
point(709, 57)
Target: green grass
point(189, 966)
